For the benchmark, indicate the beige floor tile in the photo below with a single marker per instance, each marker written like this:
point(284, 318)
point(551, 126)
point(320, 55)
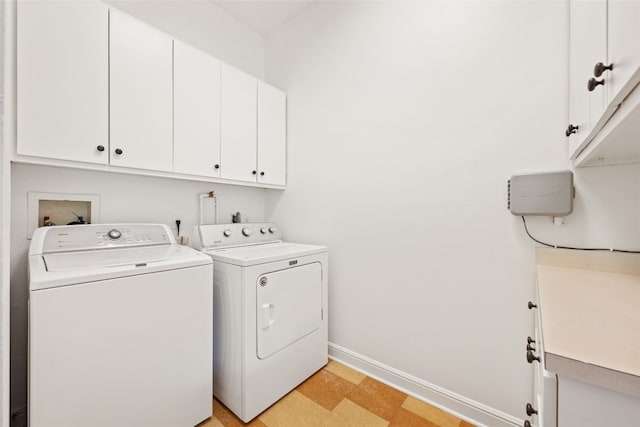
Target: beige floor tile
point(431, 413)
point(378, 398)
point(228, 419)
point(211, 422)
point(404, 418)
point(348, 414)
point(294, 410)
point(345, 372)
point(326, 388)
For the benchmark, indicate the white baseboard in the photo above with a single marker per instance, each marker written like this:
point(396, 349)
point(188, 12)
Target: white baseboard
point(464, 408)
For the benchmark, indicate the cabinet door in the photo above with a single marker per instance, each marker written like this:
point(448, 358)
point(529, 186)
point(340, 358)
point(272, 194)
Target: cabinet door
point(272, 135)
point(238, 125)
point(62, 80)
point(141, 95)
point(587, 46)
point(624, 47)
point(196, 112)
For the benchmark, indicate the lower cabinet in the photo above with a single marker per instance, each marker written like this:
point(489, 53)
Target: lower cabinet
point(542, 410)
point(586, 405)
point(559, 401)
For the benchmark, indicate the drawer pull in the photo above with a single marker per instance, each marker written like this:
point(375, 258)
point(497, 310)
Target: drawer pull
point(530, 340)
point(571, 129)
point(530, 409)
point(601, 68)
point(527, 423)
point(531, 305)
point(530, 348)
point(593, 83)
point(531, 357)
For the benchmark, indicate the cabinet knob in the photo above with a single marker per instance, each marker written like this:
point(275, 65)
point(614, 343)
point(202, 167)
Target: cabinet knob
point(118, 151)
point(530, 340)
point(217, 166)
point(570, 130)
point(100, 148)
point(254, 172)
point(531, 305)
point(529, 347)
point(593, 83)
point(261, 173)
point(531, 357)
point(601, 68)
point(527, 423)
point(530, 409)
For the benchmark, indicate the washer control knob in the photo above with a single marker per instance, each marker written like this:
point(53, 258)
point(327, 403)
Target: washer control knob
point(114, 234)
point(246, 232)
point(264, 230)
point(272, 230)
point(227, 233)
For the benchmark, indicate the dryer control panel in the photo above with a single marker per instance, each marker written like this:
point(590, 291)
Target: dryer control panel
point(237, 234)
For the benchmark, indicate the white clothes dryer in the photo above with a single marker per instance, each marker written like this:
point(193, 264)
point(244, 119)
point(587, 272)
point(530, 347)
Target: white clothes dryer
point(270, 313)
point(120, 324)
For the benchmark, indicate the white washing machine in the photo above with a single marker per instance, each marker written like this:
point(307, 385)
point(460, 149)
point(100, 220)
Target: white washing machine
point(270, 313)
point(120, 324)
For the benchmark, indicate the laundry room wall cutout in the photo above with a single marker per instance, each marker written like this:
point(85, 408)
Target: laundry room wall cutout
point(61, 209)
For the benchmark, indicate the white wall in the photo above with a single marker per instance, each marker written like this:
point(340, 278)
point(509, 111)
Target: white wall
point(405, 120)
point(133, 198)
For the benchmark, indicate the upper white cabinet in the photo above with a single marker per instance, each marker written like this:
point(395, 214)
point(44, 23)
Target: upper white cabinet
point(605, 58)
point(63, 80)
point(97, 86)
point(141, 70)
point(238, 121)
point(196, 112)
point(623, 43)
point(272, 135)
point(587, 46)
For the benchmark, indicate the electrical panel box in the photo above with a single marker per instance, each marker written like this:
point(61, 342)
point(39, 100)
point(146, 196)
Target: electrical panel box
point(549, 193)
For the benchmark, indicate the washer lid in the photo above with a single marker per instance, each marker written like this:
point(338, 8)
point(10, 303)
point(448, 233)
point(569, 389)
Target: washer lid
point(109, 258)
point(263, 253)
point(68, 268)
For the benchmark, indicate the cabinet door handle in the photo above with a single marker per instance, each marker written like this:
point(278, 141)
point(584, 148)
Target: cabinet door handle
point(601, 68)
point(531, 305)
point(593, 83)
point(118, 151)
point(217, 166)
point(532, 357)
point(571, 129)
point(100, 148)
point(527, 423)
point(530, 409)
point(262, 173)
point(529, 347)
point(254, 172)
point(530, 340)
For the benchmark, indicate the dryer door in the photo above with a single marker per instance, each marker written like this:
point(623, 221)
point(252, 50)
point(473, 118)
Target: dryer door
point(289, 306)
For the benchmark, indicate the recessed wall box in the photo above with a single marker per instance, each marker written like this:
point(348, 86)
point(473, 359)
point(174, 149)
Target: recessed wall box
point(549, 193)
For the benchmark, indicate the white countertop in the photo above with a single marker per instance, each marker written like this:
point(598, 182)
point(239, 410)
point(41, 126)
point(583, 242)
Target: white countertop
point(589, 306)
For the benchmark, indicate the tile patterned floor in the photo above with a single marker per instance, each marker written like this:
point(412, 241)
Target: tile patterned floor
point(338, 396)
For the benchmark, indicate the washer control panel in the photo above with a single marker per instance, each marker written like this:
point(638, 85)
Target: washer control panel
point(215, 235)
point(101, 236)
